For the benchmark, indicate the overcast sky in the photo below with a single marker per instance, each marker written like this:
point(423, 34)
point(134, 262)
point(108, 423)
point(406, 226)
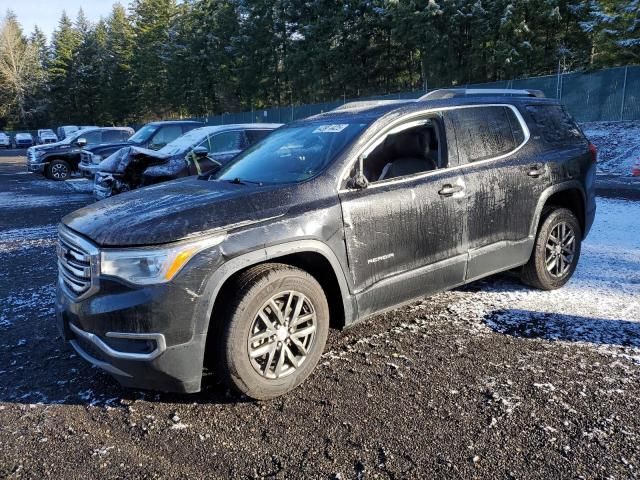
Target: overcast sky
point(46, 13)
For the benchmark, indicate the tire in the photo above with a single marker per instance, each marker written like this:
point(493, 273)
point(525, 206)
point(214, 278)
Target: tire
point(58, 170)
point(552, 264)
point(272, 373)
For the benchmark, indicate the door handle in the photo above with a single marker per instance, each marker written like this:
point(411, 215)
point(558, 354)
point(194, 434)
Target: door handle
point(448, 190)
point(536, 171)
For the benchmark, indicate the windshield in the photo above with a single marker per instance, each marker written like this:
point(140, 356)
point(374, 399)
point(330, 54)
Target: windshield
point(292, 154)
point(185, 142)
point(144, 134)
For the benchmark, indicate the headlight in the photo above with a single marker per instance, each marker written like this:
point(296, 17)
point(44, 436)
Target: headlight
point(149, 265)
point(96, 158)
point(39, 153)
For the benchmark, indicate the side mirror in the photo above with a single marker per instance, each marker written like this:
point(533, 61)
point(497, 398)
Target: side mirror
point(81, 142)
point(359, 181)
point(200, 152)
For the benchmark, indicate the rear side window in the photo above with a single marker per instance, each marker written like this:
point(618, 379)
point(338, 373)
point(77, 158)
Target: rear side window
point(485, 132)
point(111, 136)
point(254, 136)
point(555, 124)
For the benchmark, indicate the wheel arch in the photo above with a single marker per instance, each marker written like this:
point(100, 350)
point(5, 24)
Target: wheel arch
point(570, 195)
point(312, 256)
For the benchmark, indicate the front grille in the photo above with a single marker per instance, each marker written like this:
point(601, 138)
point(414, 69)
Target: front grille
point(31, 156)
point(75, 264)
point(85, 158)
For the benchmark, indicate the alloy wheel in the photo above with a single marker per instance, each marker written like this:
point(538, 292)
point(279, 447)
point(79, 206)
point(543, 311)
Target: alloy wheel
point(282, 334)
point(59, 171)
point(560, 250)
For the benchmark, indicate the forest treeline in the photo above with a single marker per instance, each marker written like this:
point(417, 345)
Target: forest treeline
point(166, 58)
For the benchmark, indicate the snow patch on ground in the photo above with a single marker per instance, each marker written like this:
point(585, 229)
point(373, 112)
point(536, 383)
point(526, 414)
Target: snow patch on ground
point(13, 200)
point(31, 233)
point(80, 185)
point(17, 307)
point(618, 145)
point(23, 238)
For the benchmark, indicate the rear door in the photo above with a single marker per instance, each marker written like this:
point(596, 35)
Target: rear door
point(405, 236)
point(505, 179)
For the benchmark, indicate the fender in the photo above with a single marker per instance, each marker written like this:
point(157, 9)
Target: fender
point(222, 274)
point(553, 189)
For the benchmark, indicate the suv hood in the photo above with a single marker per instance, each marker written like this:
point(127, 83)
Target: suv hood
point(50, 146)
point(109, 146)
point(172, 211)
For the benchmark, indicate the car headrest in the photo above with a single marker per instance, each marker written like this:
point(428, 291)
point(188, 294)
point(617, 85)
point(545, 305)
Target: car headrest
point(409, 145)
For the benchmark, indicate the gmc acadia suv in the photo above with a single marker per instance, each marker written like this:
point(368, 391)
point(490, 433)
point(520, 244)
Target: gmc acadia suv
point(328, 220)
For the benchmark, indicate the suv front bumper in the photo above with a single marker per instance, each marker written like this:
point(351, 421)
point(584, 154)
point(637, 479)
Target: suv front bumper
point(139, 336)
point(36, 167)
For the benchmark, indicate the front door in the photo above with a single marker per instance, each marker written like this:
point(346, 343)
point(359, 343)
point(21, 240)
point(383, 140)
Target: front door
point(405, 232)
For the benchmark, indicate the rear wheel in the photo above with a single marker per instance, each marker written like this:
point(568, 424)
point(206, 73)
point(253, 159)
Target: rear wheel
point(556, 251)
point(274, 331)
point(59, 170)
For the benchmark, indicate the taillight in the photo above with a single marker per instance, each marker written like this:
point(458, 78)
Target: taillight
point(594, 153)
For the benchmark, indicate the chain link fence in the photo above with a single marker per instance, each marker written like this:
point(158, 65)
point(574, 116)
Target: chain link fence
point(612, 94)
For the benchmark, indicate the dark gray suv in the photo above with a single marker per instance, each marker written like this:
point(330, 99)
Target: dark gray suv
point(328, 220)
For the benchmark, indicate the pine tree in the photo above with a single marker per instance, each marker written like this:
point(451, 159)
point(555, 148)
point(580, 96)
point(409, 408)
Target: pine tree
point(152, 20)
point(118, 63)
point(63, 89)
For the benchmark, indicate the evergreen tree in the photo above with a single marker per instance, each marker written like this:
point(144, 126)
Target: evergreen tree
point(62, 71)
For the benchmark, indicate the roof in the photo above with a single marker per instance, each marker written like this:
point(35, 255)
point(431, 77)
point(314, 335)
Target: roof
point(371, 110)
point(176, 122)
point(237, 126)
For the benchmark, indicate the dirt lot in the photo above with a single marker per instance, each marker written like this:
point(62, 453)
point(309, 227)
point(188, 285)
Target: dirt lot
point(493, 380)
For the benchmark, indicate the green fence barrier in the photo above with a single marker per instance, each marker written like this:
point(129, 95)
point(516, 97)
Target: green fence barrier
point(612, 94)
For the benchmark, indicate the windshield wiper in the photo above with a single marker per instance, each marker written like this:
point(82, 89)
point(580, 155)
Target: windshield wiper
point(238, 181)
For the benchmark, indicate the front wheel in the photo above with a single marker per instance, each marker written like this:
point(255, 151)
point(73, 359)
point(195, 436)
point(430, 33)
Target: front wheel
point(274, 330)
point(556, 251)
point(59, 170)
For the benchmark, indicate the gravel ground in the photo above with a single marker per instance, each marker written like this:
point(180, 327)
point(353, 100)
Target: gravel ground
point(489, 381)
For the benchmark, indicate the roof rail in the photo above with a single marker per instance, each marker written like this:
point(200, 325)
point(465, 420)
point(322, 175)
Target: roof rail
point(368, 104)
point(462, 92)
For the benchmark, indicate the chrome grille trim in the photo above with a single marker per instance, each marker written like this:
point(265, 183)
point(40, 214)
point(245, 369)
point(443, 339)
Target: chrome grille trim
point(85, 158)
point(77, 264)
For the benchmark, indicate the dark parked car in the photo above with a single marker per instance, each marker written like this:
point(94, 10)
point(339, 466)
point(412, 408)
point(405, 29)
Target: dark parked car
point(152, 136)
point(327, 220)
point(196, 152)
point(58, 161)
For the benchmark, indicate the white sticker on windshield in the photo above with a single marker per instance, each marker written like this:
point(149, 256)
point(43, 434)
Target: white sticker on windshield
point(331, 128)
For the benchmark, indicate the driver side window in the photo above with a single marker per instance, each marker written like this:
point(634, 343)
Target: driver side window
point(417, 148)
point(226, 141)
